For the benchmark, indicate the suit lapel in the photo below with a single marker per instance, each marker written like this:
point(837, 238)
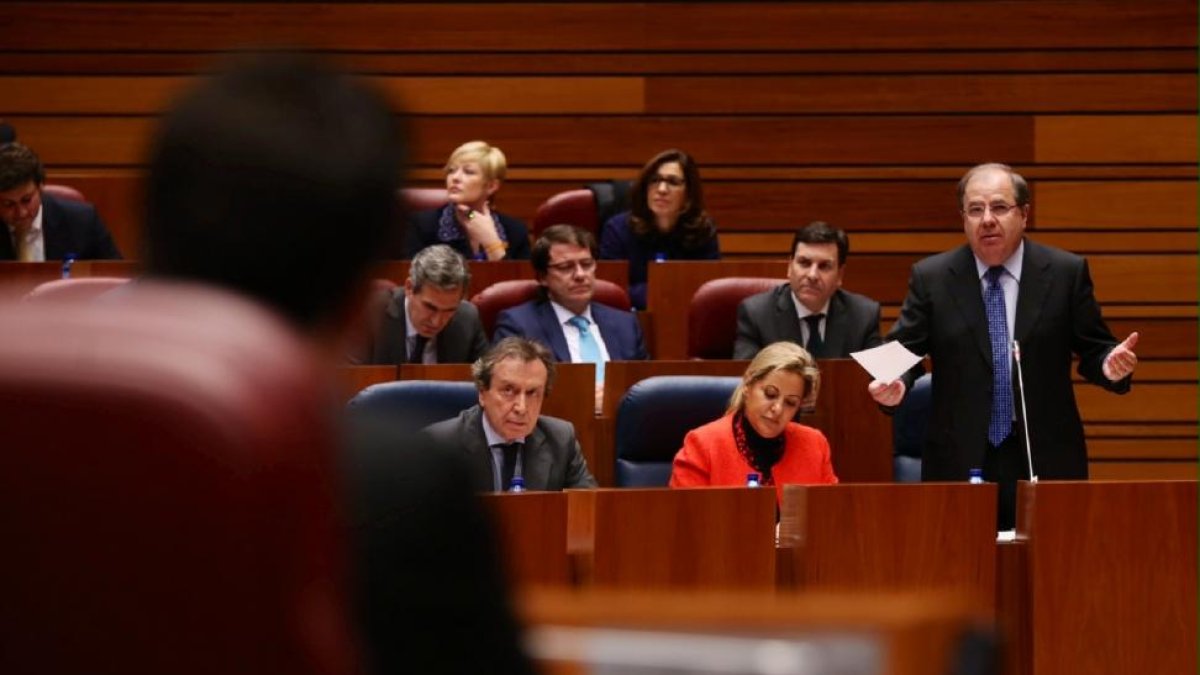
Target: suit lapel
point(1032, 291)
point(53, 234)
point(609, 333)
point(968, 299)
point(835, 326)
point(548, 322)
point(393, 338)
point(787, 322)
point(479, 454)
point(535, 461)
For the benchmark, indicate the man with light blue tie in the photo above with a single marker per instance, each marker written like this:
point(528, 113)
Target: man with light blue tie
point(964, 309)
point(564, 317)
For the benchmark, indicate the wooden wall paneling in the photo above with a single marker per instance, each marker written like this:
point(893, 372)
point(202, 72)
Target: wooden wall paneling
point(1115, 205)
point(634, 62)
point(1104, 470)
point(144, 95)
point(607, 141)
point(759, 141)
point(722, 26)
point(1145, 402)
point(1142, 448)
point(1164, 338)
point(1115, 139)
point(1165, 278)
point(905, 93)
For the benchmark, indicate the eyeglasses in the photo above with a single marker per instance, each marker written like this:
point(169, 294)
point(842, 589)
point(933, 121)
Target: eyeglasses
point(999, 209)
point(671, 181)
point(568, 266)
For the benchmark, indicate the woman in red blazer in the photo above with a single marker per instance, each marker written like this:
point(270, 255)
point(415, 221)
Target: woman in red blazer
point(757, 434)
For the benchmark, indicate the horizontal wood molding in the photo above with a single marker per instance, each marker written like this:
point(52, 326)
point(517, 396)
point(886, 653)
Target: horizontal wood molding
point(582, 27)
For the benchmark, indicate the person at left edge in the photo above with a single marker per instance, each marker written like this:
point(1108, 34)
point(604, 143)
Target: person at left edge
point(506, 435)
point(41, 227)
point(468, 222)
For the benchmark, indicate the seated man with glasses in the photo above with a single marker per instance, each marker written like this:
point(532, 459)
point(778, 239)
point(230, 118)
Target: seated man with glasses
point(564, 317)
point(966, 308)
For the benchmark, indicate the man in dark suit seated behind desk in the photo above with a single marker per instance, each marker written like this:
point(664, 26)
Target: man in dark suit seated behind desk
point(428, 321)
point(505, 436)
point(39, 226)
point(811, 309)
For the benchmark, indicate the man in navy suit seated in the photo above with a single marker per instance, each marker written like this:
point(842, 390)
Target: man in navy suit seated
point(39, 226)
point(564, 317)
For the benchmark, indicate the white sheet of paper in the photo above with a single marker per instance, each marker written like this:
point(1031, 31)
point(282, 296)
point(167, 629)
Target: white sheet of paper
point(886, 362)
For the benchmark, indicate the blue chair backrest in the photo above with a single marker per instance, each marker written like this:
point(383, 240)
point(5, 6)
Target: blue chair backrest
point(654, 416)
point(415, 404)
point(909, 426)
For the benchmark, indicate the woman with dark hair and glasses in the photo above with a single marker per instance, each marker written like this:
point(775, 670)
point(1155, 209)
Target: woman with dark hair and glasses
point(757, 435)
point(666, 221)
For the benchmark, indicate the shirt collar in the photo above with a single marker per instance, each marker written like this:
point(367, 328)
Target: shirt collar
point(1013, 265)
point(802, 311)
point(564, 315)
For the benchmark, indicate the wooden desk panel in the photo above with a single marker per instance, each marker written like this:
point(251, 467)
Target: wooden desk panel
point(915, 633)
point(703, 538)
point(1111, 575)
point(892, 537)
point(532, 530)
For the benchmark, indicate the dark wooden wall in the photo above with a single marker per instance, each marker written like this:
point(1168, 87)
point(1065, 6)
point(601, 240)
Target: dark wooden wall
point(860, 113)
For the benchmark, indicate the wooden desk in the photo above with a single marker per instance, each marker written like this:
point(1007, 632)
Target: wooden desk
point(18, 278)
point(1110, 569)
point(704, 538)
point(901, 633)
point(532, 530)
point(920, 536)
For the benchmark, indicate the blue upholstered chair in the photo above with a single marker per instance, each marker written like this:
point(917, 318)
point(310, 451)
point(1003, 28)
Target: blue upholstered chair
point(908, 431)
point(654, 416)
point(415, 404)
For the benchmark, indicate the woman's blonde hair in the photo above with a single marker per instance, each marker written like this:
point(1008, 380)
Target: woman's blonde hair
point(490, 159)
point(786, 356)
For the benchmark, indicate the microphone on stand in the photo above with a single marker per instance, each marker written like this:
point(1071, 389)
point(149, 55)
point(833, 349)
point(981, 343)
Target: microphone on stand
point(1024, 411)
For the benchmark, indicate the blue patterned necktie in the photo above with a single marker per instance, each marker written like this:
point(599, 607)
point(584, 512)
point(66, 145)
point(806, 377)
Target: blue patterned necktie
point(1002, 399)
point(589, 349)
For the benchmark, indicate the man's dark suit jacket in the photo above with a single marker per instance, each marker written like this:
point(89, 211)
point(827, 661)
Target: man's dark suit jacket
point(461, 341)
point(551, 459)
point(536, 320)
point(68, 227)
point(852, 323)
point(1057, 315)
point(423, 231)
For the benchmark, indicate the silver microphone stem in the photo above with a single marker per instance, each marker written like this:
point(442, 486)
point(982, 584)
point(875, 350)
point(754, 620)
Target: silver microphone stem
point(1024, 411)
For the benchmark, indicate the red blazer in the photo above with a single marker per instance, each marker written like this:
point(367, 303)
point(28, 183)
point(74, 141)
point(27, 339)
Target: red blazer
point(709, 457)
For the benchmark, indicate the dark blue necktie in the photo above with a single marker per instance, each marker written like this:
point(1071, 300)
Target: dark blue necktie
point(815, 346)
point(1002, 399)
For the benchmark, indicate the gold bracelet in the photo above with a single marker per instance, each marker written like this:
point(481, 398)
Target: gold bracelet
point(498, 245)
